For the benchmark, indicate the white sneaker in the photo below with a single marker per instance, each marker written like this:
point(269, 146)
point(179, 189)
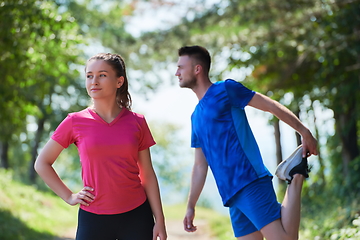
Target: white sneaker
point(293, 165)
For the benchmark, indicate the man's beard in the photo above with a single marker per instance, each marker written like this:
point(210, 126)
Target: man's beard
point(188, 84)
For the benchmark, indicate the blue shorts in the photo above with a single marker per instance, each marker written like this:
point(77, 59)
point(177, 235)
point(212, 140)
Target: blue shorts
point(254, 207)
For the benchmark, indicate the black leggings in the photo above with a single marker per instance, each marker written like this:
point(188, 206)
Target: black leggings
point(136, 224)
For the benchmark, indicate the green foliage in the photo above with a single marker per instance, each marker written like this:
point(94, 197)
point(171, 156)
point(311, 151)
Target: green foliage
point(39, 49)
point(350, 232)
point(103, 21)
point(26, 213)
point(37, 44)
point(326, 215)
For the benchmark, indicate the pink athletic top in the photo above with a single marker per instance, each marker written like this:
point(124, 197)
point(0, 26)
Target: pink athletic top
point(109, 156)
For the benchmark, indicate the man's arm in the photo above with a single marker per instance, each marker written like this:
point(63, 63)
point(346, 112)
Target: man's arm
point(198, 178)
point(266, 104)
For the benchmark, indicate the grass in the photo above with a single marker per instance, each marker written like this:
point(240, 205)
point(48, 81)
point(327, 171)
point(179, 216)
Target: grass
point(26, 213)
point(29, 214)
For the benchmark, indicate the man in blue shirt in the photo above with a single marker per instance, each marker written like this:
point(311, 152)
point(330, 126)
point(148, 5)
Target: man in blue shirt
point(223, 141)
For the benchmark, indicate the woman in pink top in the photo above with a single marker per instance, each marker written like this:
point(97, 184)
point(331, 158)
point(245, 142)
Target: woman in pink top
point(121, 196)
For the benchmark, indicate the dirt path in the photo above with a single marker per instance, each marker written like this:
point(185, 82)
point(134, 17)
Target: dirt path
point(174, 228)
point(176, 231)
point(69, 235)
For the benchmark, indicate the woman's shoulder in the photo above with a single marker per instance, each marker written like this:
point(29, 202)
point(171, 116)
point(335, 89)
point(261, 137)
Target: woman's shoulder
point(135, 114)
point(138, 117)
point(85, 113)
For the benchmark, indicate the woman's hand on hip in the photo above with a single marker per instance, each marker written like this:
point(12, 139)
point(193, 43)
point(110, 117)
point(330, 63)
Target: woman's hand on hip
point(84, 197)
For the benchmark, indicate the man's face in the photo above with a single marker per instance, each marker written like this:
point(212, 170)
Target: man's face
point(186, 72)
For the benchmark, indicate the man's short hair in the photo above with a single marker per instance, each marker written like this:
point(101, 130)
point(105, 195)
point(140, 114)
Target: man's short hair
point(199, 54)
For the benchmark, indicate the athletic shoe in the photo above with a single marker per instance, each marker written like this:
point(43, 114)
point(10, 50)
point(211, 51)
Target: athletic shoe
point(295, 164)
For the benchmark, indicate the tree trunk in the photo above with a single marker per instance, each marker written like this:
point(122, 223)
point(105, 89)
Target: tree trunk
point(347, 130)
point(34, 152)
point(277, 135)
point(4, 155)
point(297, 135)
point(321, 171)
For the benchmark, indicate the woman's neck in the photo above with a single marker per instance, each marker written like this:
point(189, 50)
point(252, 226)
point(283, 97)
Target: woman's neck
point(107, 111)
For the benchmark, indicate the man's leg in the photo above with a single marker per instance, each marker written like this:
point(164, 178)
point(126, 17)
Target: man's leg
point(290, 208)
point(287, 228)
point(254, 207)
point(294, 170)
point(242, 226)
point(252, 236)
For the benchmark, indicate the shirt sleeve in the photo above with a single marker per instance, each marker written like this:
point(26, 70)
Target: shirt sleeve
point(194, 139)
point(146, 139)
point(64, 133)
point(239, 95)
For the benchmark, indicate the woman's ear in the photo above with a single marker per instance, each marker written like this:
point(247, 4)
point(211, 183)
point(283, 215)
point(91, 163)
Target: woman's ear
point(120, 81)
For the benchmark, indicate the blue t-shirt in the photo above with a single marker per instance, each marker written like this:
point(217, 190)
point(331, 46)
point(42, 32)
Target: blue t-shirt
point(220, 128)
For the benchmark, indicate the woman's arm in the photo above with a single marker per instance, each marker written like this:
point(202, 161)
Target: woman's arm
point(43, 166)
point(151, 186)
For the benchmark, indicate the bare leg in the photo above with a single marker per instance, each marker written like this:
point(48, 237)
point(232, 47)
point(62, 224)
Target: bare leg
point(290, 210)
point(252, 236)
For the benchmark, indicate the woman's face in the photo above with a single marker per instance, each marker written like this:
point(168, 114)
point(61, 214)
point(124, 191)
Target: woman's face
point(101, 80)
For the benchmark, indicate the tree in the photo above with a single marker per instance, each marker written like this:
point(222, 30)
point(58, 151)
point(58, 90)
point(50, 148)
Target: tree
point(40, 51)
point(306, 50)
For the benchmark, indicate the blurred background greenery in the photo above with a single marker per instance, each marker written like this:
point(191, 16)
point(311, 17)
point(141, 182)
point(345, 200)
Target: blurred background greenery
point(305, 54)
